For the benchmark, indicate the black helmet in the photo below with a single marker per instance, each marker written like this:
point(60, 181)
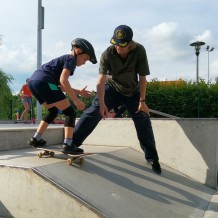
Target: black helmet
point(86, 47)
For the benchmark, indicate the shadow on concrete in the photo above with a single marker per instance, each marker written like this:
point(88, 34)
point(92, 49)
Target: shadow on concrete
point(120, 183)
point(4, 213)
point(192, 199)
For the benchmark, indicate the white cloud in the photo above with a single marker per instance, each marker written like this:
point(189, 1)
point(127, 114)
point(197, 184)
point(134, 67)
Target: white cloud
point(161, 38)
point(20, 59)
point(204, 37)
point(165, 28)
point(163, 31)
point(213, 69)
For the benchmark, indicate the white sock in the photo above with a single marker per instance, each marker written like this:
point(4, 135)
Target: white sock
point(37, 136)
point(68, 141)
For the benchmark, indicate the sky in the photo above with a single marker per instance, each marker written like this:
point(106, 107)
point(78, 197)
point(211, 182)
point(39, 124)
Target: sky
point(164, 27)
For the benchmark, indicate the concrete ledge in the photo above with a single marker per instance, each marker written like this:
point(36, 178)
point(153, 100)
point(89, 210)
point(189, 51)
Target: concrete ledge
point(6, 121)
point(17, 137)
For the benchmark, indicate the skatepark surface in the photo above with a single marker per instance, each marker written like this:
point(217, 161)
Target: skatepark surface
point(115, 182)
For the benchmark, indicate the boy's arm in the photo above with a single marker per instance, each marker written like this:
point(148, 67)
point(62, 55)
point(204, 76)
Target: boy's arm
point(65, 85)
point(83, 92)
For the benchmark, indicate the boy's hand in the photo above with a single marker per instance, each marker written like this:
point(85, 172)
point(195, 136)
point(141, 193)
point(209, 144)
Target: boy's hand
point(80, 105)
point(87, 94)
point(103, 111)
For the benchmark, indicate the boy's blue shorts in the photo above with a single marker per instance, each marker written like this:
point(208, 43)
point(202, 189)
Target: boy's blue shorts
point(46, 92)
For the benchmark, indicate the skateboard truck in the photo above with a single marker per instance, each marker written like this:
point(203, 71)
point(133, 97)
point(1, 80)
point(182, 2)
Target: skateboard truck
point(77, 158)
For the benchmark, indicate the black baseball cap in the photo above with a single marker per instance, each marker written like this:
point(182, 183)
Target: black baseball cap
point(122, 36)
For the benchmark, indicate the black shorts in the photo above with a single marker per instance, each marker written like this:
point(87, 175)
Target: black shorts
point(46, 92)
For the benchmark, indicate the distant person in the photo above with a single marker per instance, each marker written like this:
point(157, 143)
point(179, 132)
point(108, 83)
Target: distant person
point(26, 96)
point(122, 81)
point(59, 118)
point(48, 84)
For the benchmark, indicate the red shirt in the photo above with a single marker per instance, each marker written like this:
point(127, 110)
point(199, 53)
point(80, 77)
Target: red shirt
point(26, 91)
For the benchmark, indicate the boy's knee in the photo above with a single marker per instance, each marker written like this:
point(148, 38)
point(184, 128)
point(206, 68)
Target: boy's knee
point(51, 115)
point(70, 117)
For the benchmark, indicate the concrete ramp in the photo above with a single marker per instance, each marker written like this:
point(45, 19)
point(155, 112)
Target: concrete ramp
point(114, 183)
point(26, 193)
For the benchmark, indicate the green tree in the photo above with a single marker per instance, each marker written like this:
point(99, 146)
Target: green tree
point(5, 96)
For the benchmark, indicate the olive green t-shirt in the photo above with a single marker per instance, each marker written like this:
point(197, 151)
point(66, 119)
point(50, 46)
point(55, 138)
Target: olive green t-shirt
point(123, 75)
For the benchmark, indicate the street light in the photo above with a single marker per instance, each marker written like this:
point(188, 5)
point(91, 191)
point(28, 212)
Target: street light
point(40, 26)
point(208, 51)
point(197, 45)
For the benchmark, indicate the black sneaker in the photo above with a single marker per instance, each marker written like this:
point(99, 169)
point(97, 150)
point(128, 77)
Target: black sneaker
point(155, 166)
point(33, 142)
point(71, 149)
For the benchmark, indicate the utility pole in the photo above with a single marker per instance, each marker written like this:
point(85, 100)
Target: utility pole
point(40, 26)
point(208, 63)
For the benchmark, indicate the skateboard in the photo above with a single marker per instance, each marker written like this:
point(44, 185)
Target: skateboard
point(25, 122)
point(49, 151)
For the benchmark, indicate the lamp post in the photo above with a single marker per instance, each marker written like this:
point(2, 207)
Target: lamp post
point(197, 45)
point(208, 63)
point(40, 26)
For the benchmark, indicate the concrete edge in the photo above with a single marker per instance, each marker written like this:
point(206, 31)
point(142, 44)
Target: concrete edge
point(69, 193)
point(58, 186)
point(211, 211)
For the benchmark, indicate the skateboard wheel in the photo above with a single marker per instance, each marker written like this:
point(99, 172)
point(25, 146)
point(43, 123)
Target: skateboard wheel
point(39, 154)
point(69, 161)
point(52, 153)
point(47, 153)
point(81, 161)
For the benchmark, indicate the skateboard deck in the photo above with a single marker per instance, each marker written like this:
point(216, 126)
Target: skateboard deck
point(50, 151)
point(25, 122)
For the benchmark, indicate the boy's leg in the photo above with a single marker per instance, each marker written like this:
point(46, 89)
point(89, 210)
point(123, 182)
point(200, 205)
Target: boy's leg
point(37, 140)
point(144, 131)
point(91, 116)
point(69, 123)
point(146, 139)
point(86, 124)
point(145, 135)
point(143, 127)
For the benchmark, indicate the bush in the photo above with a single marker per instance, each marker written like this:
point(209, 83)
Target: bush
point(180, 98)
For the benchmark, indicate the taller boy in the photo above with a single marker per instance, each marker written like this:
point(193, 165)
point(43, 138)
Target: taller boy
point(122, 81)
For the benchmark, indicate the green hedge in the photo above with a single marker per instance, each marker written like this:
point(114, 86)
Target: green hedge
point(176, 98)
point(181, 98)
